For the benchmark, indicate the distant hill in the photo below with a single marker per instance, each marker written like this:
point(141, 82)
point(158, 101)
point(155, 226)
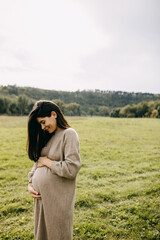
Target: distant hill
point(86, 98)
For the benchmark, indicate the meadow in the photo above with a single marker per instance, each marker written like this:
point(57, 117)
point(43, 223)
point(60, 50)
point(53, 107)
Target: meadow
point(118, 186)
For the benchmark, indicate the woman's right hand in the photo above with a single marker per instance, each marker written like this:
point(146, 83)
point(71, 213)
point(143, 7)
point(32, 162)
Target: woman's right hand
point(32, 192)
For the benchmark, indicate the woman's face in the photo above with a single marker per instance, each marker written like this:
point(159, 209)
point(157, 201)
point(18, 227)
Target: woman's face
point(48, 123)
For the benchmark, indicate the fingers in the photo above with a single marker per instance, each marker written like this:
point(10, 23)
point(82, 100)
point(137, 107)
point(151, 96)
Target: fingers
point(39, 165)
point(31, 189)
point(32, 192)
point(37, 196)
point(42, 160)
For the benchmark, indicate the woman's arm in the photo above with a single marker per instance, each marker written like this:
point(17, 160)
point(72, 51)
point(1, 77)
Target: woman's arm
point(70, 165)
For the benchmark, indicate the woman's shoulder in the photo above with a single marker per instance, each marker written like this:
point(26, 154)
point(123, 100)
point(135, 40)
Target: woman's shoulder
point(70, 132)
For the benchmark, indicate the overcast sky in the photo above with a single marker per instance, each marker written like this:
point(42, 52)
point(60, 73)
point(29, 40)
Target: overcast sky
point(81, 44)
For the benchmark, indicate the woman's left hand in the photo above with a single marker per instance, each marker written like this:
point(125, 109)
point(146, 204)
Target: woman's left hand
point(44, 161)
point(41, 161)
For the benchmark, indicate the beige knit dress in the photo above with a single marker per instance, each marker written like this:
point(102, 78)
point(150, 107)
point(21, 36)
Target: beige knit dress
point(53, 213)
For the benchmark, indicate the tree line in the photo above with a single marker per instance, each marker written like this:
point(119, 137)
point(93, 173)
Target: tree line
point(19, 101)
point(142, 109)
point(23, 105)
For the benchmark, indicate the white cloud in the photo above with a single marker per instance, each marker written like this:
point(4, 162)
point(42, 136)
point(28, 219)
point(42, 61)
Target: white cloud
point(79, 44)
point(45, 40)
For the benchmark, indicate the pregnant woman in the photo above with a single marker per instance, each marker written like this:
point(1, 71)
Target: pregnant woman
point(54, 146)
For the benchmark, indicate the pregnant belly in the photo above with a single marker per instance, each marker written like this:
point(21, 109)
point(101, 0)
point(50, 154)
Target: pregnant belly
point(52, 188)
point(42, 178)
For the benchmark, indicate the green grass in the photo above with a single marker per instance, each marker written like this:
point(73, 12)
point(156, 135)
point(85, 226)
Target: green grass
point(118, 186)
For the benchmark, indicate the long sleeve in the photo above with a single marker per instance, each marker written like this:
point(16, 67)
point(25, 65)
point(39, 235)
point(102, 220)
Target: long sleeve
point(69, 166)
point(31, 173)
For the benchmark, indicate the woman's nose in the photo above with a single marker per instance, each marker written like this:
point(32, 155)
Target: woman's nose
point(42, 126)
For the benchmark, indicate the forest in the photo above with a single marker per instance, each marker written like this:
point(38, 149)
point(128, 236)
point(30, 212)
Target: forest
point(16, 101)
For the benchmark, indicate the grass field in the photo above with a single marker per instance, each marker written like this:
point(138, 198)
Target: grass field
point(117, 195)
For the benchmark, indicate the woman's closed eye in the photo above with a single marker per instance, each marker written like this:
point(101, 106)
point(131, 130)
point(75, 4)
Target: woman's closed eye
point(42, 122)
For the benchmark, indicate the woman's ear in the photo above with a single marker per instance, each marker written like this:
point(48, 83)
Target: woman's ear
point(54, 114)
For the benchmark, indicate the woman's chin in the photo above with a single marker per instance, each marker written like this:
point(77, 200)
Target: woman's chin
point(51, 131)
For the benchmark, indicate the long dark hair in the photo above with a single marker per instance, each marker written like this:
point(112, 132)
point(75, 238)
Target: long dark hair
point(37, 138)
